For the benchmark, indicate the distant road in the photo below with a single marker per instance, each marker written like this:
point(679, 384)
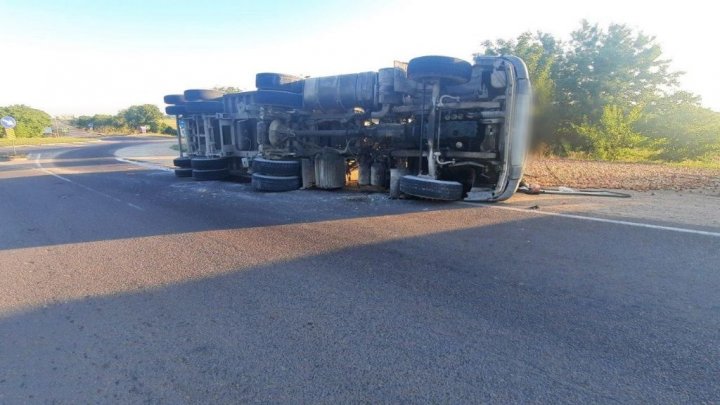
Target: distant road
point(122, 284)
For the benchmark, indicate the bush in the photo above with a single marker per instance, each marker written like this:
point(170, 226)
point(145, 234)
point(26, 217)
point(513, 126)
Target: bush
point(30, 121)
point(613, 136)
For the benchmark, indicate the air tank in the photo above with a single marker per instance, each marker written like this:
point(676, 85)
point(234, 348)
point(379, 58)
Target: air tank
point(377, 174)
point(329, 170)
point(364, 172)
point(308, 173)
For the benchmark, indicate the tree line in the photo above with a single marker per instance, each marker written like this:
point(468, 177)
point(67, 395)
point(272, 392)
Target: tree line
point(30, 121)
point(609, 93)
point(127, 120)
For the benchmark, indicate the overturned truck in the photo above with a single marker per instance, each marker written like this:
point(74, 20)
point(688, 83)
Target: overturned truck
point(436, 128)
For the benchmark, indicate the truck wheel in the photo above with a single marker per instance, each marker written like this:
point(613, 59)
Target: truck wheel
point(261, 182)
point(217, 174)
point(174, 99)
point(184, 172)
point(203, 107)
point(201, 163)
point(175, 110)
point(276, 167)
point(463, 175)
point(439, 68)
point(182, 162)
point(431, 189)
point(202, 95)
point(277, 81)
point(279, 98)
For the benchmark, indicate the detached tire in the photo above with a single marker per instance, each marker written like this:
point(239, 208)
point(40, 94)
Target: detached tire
point(202, 95)
point(444, 69)
point(204, 175)
point(208, 163)
point(182, 162)
point(261, 182)
point(184, 172)
point(283, 168)
point(431, 189)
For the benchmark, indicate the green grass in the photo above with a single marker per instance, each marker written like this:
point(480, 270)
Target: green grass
point(39, 141)
point(170, 122)
point(699, 164)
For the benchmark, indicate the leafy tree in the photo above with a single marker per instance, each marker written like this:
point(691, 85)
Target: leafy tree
point(30, 121)
point(611, 93)
point(101, 122)
point(682, 127)
point(82, 121)
point(615, 66)
point(146, 114)
point(613, 136)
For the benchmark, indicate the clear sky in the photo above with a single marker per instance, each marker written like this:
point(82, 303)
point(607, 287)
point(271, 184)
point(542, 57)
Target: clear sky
point(87, 57)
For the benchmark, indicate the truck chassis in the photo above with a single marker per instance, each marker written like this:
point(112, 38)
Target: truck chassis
point(435, 128)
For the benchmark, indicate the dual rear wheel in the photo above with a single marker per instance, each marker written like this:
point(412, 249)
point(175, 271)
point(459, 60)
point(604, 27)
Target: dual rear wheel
point(201, 168)
point(275, 175)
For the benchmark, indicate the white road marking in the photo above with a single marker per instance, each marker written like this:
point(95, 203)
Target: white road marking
point(44, 170)
point(144, 164)
point(604, 220)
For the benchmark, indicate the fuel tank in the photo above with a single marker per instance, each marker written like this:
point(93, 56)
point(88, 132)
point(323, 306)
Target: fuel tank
point(341, 93)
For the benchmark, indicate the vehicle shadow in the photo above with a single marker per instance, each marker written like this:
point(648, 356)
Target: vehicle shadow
point(79, 197)
point(458, 316)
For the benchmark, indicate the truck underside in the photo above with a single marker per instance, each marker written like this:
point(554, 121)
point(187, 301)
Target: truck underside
point(436, 127)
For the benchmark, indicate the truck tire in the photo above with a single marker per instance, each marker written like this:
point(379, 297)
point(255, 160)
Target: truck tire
point(216, 174)
point(276, 167)
point(204, 107)
point(175, 110)
point(278, 81)
point(184, 172)
point(182, 162)
point(202, 163)
point(279, 98)
point(202, 95)
point(175, 99)
point(445, 69)
point(431, 189)
point(261, 182)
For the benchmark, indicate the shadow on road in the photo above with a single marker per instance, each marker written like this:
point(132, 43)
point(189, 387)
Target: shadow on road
point(97, 198)
point(451, 317)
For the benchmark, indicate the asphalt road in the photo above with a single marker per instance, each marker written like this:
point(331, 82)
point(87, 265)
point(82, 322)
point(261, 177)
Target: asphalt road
point(123, 284)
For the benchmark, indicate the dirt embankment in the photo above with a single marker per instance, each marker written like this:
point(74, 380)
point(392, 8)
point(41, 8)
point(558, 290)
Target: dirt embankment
point(553, 172)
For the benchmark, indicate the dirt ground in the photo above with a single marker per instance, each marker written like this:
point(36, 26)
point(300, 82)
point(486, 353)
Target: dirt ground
point(661, 194)
point(553, 172)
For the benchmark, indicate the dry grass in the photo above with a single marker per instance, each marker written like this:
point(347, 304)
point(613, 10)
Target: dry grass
point(39, 141)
